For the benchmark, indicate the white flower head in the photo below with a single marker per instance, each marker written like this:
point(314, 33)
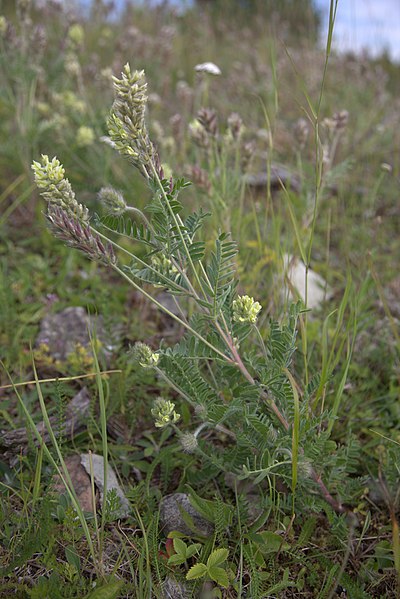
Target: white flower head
point(208, 67)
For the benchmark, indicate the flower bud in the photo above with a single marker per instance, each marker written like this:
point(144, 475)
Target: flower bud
point(208, 118)
point(143, 354)
point(188, 442)
point(76, 34)
point(235, 125)
point(112, 200)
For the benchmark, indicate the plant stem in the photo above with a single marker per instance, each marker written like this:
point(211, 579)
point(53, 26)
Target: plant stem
point(178, 227)
point(60, 378)
point(144, 264)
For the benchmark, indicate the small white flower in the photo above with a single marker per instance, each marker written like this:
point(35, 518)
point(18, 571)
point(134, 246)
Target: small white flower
point(208, 67)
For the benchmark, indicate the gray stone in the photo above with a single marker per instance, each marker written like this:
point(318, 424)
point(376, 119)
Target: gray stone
point(250, 493)
point(76, 413)
point(278, 177)
point(175, 590)
point(172, 516)
point(112, 483)
point(64, 331)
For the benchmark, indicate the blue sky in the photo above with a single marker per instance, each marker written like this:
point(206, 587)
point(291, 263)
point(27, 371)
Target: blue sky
point(370, 24)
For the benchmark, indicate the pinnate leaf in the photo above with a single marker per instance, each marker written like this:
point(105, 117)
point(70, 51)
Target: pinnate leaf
point(180, 547)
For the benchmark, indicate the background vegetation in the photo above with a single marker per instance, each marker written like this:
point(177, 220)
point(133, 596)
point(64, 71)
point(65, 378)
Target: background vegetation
point(330, 134)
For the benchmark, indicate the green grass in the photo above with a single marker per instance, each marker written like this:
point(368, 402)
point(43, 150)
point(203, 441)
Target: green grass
point(343, 221)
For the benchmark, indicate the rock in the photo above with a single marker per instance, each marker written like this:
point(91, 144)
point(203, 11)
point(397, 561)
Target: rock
point(172, 516)
point(112, 482)
point(280, 176)
point(80, 481)
point(295, 273)
point(76, 413)
point(250, 493)
point(64, 331)
point(167, 300)
point(79, 471)
point(175, 590)
point(168, 325)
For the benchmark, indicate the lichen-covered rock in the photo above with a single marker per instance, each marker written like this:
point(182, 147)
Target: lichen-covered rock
point(62, 333)
point(17, 440)
point(277, 178)
point(175, 590)
point(177, 513)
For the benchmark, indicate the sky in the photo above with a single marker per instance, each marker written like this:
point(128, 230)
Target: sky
point(370, 24)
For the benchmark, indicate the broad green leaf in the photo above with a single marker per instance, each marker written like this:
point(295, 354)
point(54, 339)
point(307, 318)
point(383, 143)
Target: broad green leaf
point(217, 557)
point(271, 542)
point(180, 547)
point(219, 576)
point(175, 534)
point(196, 571)
point(192, 549)
point(108, 591)
point(73, 557)
point(207, 507)
point(176, 560)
